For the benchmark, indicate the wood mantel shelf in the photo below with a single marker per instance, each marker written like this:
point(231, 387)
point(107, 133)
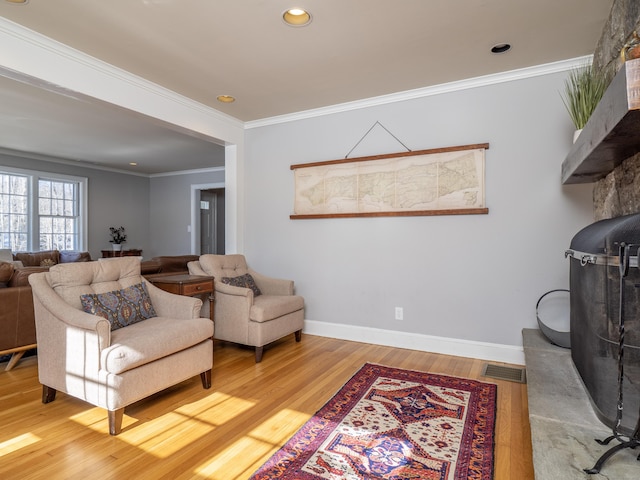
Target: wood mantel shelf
point(612, 134)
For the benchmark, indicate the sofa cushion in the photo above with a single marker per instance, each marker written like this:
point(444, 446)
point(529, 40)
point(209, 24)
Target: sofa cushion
point(268, 307)
point(6, 255)
point(174, 263)
point(150, 267)
point(71, 280)
point(156, 337)
point(36, 259)
point(20, 276)
point(121, 307)
point(6, 272)
point(220, 266)
point(244, 281)
point(68, 256)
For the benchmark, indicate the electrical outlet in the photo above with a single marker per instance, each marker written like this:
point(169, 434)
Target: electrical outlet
point(399, 313)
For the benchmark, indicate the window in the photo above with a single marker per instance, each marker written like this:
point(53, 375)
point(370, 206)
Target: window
point(14, 218)
point(41, 211)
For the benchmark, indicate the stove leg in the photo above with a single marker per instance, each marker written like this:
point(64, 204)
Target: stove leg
point(606, 441)
point(606, 455)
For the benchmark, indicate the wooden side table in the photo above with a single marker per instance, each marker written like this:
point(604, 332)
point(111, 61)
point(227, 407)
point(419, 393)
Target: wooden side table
point(188, 285)
point(121, 253)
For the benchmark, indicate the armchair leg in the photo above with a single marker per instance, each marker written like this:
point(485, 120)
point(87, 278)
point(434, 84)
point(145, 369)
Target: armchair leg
point(48, 394)
point(206, 379)
point(115, 421)
point(298, 335)
point(259, 351)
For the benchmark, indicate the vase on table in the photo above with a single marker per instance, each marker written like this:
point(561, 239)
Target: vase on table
point(576, 134)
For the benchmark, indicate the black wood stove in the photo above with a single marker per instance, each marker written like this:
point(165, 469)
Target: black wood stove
point(605, 325)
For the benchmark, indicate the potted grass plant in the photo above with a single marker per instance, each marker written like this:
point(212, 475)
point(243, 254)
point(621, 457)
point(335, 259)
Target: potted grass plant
point(583, 90)
point(118, 237)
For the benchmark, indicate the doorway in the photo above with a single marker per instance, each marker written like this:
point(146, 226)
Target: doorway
point(208, 219)
point(212, 221)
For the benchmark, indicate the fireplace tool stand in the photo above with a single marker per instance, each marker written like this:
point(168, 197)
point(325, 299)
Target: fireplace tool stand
point(633, 440)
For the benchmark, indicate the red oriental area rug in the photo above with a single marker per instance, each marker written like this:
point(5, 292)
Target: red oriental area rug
point(394, 424)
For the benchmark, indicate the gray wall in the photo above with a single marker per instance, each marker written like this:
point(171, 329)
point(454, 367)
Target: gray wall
point(170, 212)
point(474, 277)
point(115, 199)
point(155, 211)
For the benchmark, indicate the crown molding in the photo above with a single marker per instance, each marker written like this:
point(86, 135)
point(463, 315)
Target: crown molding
point(186, 172)
point(476, 82)
point(63, 161)
point(84, 164)
point(62, 51)
point(70, 54)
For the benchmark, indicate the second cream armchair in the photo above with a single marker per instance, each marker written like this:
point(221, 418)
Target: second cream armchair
point(254, 317)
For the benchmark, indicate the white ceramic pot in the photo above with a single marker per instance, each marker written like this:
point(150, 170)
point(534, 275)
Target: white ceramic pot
point(117, 247)
point(576, 134)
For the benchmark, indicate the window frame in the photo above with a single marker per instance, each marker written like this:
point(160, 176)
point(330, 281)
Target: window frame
point(33, 178)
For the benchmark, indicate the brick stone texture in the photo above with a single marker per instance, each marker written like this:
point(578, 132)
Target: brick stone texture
point(618, 193)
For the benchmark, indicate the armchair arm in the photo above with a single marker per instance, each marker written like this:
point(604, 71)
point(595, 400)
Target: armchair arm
point(62, 328)
point(195, 268)
point(233, 302)
point(69, 339)
point(52, 303)
point(175, 306)
point(272, 286)
point(234, 291)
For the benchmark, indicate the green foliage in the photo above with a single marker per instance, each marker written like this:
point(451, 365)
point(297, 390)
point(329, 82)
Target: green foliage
point(117, 235)
point(583, 90)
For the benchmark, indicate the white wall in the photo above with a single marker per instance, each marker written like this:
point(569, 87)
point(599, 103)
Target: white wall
point(474, 278)
point(115, 199)
point(471, 278)
point(32, 56)
point(170, 210)
point(155, 211)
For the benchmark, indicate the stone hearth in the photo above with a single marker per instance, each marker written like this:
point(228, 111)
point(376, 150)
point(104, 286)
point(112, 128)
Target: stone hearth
point(563, 424)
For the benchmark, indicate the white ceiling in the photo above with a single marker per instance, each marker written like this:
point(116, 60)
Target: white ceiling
point(352, 50)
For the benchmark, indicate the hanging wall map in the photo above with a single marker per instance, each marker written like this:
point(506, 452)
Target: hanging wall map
point(443, 181)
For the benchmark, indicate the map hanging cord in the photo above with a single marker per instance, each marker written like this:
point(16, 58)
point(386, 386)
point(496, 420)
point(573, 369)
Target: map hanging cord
point(369, 131)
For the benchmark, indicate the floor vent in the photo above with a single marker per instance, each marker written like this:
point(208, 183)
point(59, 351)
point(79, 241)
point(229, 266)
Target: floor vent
point(511, 374)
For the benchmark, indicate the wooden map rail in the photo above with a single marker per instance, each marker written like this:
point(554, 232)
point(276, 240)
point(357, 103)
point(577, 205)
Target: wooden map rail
point(396, 213)
point(393, 155)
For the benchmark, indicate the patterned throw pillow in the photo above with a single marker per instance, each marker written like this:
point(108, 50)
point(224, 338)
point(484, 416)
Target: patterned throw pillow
point(121, 307)
point(244, 281)
point(47, 262)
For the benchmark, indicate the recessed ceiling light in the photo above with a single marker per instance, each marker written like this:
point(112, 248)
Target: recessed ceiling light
point(133, 164)
point(296, 17)
point(225, 98)
point(17, 2)
point(501, 48)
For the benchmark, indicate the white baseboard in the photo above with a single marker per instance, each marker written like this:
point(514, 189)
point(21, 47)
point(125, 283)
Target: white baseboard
point(426, 343)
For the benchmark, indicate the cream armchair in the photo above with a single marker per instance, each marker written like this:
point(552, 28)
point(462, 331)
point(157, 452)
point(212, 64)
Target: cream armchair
point(243, 317)
point(80, 354)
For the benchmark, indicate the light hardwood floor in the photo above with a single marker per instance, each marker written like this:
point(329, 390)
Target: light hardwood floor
point(224, 433)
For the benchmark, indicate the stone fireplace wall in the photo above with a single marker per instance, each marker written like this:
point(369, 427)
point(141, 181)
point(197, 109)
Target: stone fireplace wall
point(619, 192)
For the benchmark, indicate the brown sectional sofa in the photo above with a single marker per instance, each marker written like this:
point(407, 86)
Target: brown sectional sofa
point(17, 324)
point(167, 265)
point(17, 321)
